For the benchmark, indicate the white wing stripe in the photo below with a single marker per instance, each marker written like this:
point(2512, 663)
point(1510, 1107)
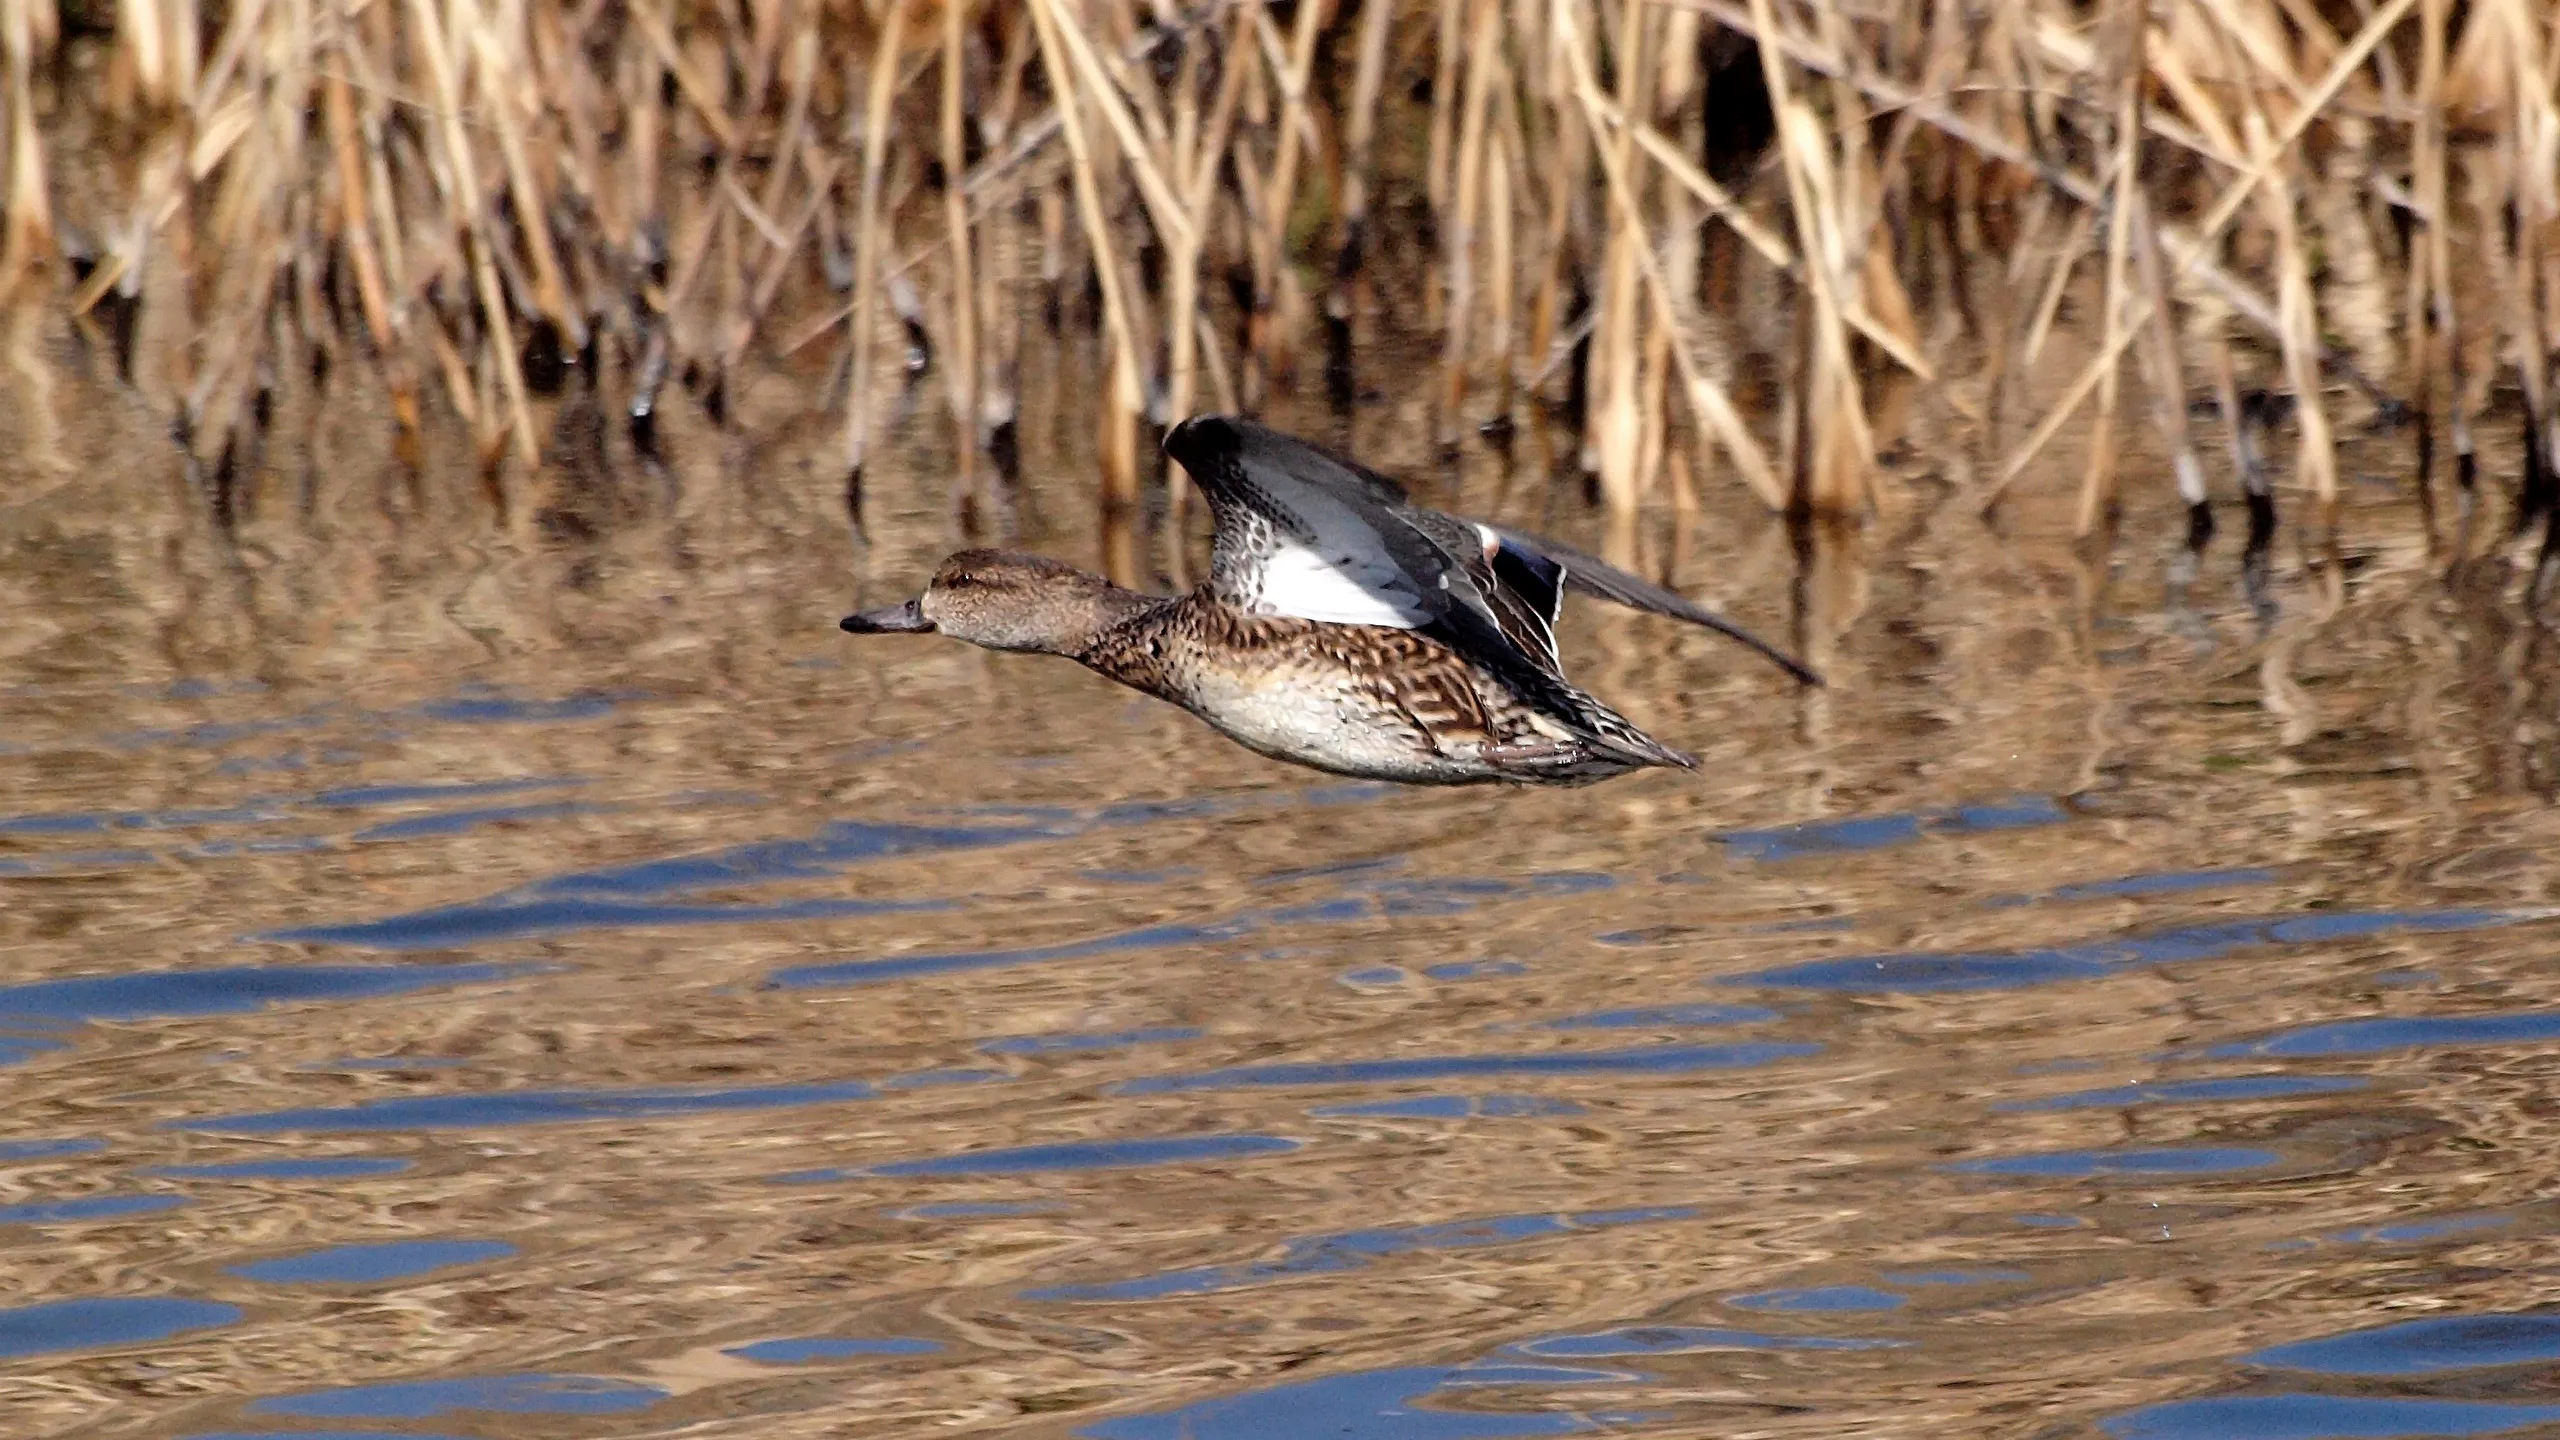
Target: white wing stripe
point(1339, 589)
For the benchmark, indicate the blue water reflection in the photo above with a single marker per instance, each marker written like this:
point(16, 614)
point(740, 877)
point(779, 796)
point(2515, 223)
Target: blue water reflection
point(2130, 1160)
point(1452, 1107)
point(107, 1321)
point(2415, 1032)
point(1820, 1298)
point(1924, 972)
point(232, 990)
point(2416, 1347)
point(1363, 1405)
point(2188, 1092)
point(2323, 1417)
point(529, 1394)
point(91, 1207)
point(1874, 832)
point(812, 1349)
point(372, 1264)
point(501, 1108)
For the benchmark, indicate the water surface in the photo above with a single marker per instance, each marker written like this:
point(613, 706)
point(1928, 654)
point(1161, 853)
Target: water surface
point(471, 978)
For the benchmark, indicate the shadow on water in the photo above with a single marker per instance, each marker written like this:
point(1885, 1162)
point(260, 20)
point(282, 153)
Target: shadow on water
point(468, 983)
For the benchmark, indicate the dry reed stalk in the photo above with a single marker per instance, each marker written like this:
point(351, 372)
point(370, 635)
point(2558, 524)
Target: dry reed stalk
point(1833, 459)
point(2317, 457)
point(2234, 194)
point(1196, 153)
point(2191, 254)
point(499, 50)
point(2098, 484)
point(2535, 138)
point(28, 28)
point(1713, 408)
point(2428, 321)
point(1126, 400)
point(1458, 227)
point(1351, 232)
point(869, 245)
point(1563, 78)
point(1273, 305)
point(955, 208)
point(1437, 178)
point(1677, 72)
point(355, 228)
point(1614, 437)
point(1500, 262)
point(469, 226)
point(2164, 370)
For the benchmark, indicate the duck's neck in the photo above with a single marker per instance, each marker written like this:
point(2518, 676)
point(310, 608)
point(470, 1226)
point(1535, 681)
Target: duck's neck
point(1103, 618)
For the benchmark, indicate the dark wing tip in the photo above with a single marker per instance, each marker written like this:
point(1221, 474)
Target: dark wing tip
point(1202, 439)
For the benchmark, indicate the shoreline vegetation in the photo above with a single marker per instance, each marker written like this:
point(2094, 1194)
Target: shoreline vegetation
point(2279, 222)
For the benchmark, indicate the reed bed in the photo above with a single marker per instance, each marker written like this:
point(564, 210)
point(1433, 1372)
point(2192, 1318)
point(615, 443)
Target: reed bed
point(2311, 217)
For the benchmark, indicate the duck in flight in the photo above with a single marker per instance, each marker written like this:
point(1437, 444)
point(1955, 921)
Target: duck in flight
point(1342, 626)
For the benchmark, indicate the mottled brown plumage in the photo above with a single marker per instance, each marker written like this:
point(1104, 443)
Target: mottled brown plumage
point(1341, 628)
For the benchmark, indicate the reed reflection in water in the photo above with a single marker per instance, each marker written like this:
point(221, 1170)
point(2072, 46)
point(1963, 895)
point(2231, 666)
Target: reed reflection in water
point(473, 978)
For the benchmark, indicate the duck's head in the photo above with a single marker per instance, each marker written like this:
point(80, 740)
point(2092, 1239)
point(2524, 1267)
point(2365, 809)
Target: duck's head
point(1007, 600)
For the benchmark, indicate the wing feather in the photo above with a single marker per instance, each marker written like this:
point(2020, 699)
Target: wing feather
point(1594, 576)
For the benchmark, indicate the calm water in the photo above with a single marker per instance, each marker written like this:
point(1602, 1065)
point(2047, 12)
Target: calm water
point(497, 975)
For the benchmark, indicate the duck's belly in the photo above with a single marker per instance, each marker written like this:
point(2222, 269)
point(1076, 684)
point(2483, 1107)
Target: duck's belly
point(1283, 715)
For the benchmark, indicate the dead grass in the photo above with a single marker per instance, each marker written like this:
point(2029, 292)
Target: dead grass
point(2349, 206)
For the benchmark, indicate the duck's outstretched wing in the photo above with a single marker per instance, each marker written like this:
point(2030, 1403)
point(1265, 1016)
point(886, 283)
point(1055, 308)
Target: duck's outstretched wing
point(1304, 532)
point(1594, 576)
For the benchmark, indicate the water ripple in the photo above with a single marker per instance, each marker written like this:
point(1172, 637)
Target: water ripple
point(1355, 1249)
point(1924, 972)
point(1646, 1059)
point(1074, 1155)
point(499, 1108)
point(529, 1394)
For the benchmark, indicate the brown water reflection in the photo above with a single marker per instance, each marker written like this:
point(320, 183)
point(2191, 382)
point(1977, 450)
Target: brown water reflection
point(488, 977)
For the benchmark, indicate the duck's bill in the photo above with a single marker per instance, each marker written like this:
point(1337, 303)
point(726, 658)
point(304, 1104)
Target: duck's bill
point(907, 619)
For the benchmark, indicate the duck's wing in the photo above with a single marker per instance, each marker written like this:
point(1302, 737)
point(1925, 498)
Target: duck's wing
point(1520, 590)
point(1594, 576)
point(1305, 532)
point(1302, 531)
